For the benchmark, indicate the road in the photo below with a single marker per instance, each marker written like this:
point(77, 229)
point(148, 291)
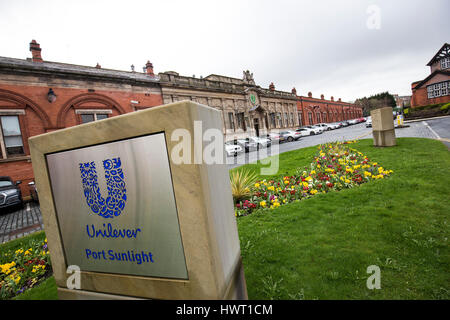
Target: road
point(419, 129)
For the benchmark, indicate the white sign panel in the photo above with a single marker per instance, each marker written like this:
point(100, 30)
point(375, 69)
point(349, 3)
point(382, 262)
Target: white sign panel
point(116, 208)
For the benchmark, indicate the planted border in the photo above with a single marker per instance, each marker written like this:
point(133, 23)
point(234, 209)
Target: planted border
point(336, 166)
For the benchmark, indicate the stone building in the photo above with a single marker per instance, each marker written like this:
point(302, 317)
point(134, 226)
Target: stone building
point(435, 88)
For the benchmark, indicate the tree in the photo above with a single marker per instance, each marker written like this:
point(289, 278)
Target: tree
point(379, 100)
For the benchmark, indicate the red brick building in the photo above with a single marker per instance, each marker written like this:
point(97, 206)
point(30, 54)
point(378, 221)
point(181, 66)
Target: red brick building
point(37, 96)
point(315, 110)
point(435, 88)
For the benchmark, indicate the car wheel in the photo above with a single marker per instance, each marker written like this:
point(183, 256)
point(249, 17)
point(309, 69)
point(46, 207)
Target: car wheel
point(312, 133)
point(290, 139)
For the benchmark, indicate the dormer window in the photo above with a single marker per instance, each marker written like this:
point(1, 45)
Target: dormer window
point(445, 63)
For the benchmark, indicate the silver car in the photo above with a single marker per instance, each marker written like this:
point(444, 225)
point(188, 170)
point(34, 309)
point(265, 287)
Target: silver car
point(290, 135)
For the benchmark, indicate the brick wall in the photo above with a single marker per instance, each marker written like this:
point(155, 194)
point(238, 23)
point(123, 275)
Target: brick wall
point(41, 116)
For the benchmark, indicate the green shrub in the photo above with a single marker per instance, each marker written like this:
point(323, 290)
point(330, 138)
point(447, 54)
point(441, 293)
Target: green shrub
point(445, 107)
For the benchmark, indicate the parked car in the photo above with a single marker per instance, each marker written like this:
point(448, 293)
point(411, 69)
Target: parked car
point(369, 122)
point(261, 142)
point(232, 149)
point(316, 129)
point(335, 125)
point(290, 135)
point(305, 132)
point(345, 123)
point(253, 143)
point(353, 121)
point(10, 194)
point(325, 126)
point(275, 137)
point(33, 191)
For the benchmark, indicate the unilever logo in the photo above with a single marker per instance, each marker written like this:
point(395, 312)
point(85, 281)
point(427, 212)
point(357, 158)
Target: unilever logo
point(114, 203)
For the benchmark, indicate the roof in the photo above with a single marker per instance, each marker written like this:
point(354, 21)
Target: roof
point(72, 69)
point(443, 52)
point(420, 83)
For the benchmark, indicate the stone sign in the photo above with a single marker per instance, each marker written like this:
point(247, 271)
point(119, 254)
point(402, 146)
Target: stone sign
point(133, 221)
point(383, 127)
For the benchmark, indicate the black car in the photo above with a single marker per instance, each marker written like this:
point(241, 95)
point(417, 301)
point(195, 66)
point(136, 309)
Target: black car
point(10, 194)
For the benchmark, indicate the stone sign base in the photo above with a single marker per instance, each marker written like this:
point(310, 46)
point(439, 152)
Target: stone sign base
point(384, 138)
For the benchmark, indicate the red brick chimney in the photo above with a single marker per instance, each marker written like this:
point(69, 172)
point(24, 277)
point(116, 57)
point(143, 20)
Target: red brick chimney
point(294, 91)
point(332, 98)
point(149, 68)
point(322, 97)
point(98, 66)
point(35, 49)
point(310, 94)
point(272, 86)
point(339, 100)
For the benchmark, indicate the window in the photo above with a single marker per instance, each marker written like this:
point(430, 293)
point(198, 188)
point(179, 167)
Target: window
point(230, 121)
point(318, 117)
point(310, 118)
point(272, 120)
point(445, 63)
point(240, 120)
point(286, 119)
point(92, 115)
point(10, 137)
point(300, 119)
point(280, 120)
point(292, 119)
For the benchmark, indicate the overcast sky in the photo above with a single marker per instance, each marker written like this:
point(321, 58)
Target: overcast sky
point(346, 49)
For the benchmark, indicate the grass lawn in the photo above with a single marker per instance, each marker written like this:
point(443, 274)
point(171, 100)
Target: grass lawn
point(320, 248)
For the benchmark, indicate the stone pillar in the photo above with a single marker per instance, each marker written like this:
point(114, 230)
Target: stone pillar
point(383, 127)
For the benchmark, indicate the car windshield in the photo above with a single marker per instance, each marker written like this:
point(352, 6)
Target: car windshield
point(5, 183)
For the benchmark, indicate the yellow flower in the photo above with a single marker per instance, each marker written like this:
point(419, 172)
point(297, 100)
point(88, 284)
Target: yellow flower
point(284, 200)
point(308, 179)
point(347, 181)
point(271, 188)
point(313, 191)
point(16, 280)
point(256, 185)
point(318, 166)
point(313, 172)
point(286, 182)
point(367, 174)
point(262, 203)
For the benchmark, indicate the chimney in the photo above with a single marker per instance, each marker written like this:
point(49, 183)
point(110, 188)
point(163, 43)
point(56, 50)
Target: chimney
point(35, 49)
point(310, 94)
point(294, 91)
point(322, 97)
point(98, 66)
point(272, 86)
point(149, 68)
point(339, 100)
point(332, 98)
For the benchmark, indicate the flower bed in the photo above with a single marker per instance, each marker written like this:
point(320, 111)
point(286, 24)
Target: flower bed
point(336, 166)
point(24, 269)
